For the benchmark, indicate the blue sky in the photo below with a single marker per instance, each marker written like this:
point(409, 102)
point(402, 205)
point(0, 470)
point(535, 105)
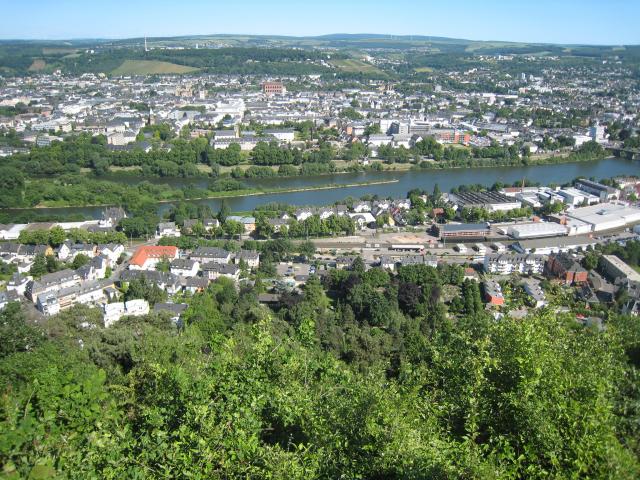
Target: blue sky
point(555, 21)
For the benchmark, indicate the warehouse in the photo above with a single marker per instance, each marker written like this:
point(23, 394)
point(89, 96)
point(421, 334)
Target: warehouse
point(536, 230)
point(606, 216)
point(466, 231)
point(492, 201)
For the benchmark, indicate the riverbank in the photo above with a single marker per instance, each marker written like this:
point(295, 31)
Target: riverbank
point(301, 188)
point(228, 194)
point(353, 166)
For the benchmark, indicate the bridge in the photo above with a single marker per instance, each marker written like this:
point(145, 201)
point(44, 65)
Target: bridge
point(631, 153)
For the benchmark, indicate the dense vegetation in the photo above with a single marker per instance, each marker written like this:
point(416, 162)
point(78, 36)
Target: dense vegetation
point(364, 375)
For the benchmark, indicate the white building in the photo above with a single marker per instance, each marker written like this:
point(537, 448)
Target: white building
point(505, 264)
point(536, 230)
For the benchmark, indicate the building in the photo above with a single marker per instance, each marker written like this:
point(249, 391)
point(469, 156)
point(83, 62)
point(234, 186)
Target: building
point(185, 267)
point(167, 229)
point(614, 268)
point(249, 257)
point(533, 289)
point(536, 230)
point(493, 293)
point(505, 264)
point(604, 192)
point(273, 88)
point(147, 257)
point(210, 254)
point(491, 201)
point(606, 216)
point(466, 231)
point(286, 135)
point(566, 269)
point(249, 223)
point(213, 271)
point(429, 260)
point(112, 312)
point(51, 282)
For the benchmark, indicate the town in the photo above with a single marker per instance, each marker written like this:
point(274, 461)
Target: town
point(515, 246)
point(336, 256)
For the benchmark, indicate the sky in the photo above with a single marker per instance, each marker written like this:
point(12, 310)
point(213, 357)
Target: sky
point(602, 22)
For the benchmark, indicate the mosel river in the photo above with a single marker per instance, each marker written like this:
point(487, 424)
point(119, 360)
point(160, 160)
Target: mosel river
point(424, 179)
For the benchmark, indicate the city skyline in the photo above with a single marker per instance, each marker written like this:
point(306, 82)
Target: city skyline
point(567, 22)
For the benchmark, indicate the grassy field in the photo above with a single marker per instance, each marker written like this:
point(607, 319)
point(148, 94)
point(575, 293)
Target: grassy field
point(150, 67)
point(353, 65)
point(423, 70)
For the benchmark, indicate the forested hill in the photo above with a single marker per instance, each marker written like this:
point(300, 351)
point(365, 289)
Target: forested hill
point(279, 55)
point(362, 376)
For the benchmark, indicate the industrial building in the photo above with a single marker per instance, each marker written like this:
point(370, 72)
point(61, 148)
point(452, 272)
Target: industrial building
point(491, 201)
point(603, 192)
point(536, 230)
point(466, 231)
point(606, 216)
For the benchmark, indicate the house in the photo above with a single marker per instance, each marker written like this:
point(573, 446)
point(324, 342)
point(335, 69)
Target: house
point(167, 229)
point(249, 223)
point(210, 254)
point(211, 224)
point(185, 267)
point(343, 263)
point(112, 312)
point(213, 271)
point(175, 310)
point(276, 224)
point(251, 258)
point(565, 268)
point(493, 293)
point(18, 283)
point(387, 263)
point(195, 284)
point(8, 297)
point(187, 226)
point(362, 206)
point(533, 289)
point(51, 282)
point(111, 251)
point(303, 213)
point(147, 257)
point(166, 281)
point(429, 260)
point(362, 220)
point(52, 302)
point(111, 217)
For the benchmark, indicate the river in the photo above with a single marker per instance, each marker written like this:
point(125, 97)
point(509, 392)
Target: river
point(407, 180)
